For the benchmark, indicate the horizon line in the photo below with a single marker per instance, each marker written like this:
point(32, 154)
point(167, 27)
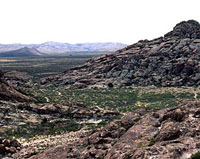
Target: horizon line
point(19, 43)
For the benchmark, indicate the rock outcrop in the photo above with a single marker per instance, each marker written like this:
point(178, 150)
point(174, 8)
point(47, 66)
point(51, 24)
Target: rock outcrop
point(17, 79)
point(172, 60)
point(11, 93)
point(169, 133)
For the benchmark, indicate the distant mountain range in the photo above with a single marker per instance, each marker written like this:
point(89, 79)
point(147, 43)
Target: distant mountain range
point(21, 52)
point(53, 48)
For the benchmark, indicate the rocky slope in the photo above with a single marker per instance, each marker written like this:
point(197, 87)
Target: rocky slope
point(172, 60)
point(22, 116)
point(169, 133)
point(10, 93)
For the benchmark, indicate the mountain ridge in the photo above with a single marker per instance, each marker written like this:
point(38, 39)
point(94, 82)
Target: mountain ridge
point(25, 51)
point(51, 47)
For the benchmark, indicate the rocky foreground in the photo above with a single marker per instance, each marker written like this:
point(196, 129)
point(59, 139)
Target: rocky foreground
point(172, 133)
point(29, 120)
point(172, 60)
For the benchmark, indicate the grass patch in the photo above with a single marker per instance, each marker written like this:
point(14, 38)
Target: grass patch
point(46, 128)
point(49, 128)
point(114, 99)
point(120, 99)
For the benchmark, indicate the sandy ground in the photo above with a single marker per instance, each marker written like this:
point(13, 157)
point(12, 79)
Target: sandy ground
point(5, 60)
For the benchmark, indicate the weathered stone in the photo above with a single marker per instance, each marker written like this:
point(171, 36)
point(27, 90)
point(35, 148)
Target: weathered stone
point(196, 41)
point(170, 131)
point(182, 43)
point(177, 115)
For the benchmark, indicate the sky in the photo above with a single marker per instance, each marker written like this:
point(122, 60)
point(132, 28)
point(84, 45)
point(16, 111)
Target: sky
point(81, 21)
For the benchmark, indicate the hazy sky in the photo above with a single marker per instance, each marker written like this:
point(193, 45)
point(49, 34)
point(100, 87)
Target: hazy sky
point(78, 21)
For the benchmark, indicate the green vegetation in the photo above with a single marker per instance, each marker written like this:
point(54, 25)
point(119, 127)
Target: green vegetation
point(120, 99)
point(151, 142)
point(196, 155)
point(29, 131)
point(48, 128)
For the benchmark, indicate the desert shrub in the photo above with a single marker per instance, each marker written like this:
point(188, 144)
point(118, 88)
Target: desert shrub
point(196, 155)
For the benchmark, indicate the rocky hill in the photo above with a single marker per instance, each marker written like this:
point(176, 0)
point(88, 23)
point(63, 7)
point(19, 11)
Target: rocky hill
point(171, 60)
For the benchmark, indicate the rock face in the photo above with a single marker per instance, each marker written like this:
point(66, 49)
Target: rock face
point(169, 133)
point(9, 92)
point(172, 60)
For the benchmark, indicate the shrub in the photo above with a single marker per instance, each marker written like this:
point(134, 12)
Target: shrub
point(196, 155)
point(151, 142)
